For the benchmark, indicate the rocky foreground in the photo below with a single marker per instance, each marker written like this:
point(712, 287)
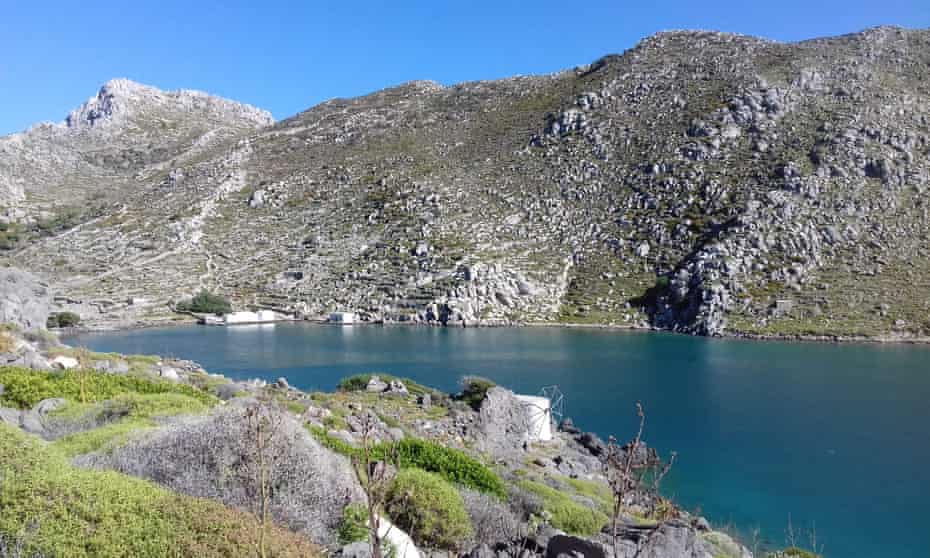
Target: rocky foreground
point(466, 474)
point(700, 182)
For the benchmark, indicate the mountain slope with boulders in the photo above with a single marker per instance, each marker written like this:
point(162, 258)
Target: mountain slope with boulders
point(700, 182)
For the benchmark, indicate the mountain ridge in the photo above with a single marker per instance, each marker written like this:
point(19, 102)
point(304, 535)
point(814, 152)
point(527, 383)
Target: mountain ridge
point(701, 182)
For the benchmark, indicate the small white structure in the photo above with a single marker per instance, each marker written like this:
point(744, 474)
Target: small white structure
point(538, 416)
point(267, 316)
point(394, 536)
point(342, 317)
point(240, 318)
point(260, 317)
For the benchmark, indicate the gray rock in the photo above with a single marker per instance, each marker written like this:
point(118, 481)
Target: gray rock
point(281, 383)
point(424, 400)
point(169, 373)
point(502, 426)
point(396, 387)
point(33, 360)
point(228, 391)
point(10, 416)
point(376, 385)
point(24, 300)
point(119, 367)
point(566, 546)
point(361, 549)
point(31, 422)
point(47, 406)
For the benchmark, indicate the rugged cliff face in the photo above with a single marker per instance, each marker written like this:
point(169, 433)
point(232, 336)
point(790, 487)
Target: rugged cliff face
point(701, 182)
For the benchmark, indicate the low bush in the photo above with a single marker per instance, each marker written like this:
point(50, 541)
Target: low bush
point(565, 513)
point(23, 388)
point(62, 319)
point(216, 457)
point(428, 508)
point(451, 464)
point(67, 511)
point(205, 303)
point(474, 390)
point(492, 520)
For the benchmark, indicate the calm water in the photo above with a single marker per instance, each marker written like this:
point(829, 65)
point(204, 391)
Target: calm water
point(833, 436)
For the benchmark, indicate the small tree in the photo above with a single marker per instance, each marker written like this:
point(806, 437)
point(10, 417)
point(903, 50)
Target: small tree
point(375, 476)
point(205, 302)
point(633, 471)
point(263, 424)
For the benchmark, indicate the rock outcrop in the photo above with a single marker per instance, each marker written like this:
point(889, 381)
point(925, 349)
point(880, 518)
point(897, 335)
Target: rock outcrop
point(24, 300)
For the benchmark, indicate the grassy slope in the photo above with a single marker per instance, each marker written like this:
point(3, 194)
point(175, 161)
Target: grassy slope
point(60, 510)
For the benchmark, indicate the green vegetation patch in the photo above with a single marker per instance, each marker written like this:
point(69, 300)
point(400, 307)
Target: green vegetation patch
point(597, 492)
point(62, 319)
point(451, 464)
point(354, 524)
point(103, 438)
point(205, 303)
point(429, 508)
point(134, 413)
point(474, 390)
point(565, 513)
point(23, 388)
point(60, 510)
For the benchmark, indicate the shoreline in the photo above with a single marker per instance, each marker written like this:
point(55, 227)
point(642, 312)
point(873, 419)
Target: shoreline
point(793, 338)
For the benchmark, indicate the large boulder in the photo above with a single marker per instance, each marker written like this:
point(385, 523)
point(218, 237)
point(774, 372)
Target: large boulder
point(216, 457)
point(24, 300)
point(502, 426)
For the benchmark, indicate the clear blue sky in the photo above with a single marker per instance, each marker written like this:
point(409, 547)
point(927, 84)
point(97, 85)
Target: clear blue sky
point(288, 56)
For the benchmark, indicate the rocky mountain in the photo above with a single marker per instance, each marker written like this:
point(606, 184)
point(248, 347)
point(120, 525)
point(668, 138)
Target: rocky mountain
point(115, 141)
point(701, 182)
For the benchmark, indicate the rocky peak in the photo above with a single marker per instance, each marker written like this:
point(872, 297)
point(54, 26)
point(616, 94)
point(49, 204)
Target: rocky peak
point(121, 97)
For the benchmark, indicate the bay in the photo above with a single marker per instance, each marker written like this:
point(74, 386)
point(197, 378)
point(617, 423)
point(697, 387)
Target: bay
point(831, 438)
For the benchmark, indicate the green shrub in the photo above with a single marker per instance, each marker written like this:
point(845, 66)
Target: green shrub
point(62, 319)
point(565, 513)
point(451, 464)
point(23, 388)
point(429, 508)
point(205, 303)
point(354, 524)
point(67, 511)
point(474, 390)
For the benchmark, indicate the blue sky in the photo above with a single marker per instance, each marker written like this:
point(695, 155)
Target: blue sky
point(288, 56)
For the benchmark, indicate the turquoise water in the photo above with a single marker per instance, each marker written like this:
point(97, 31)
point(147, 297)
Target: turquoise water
point(832, 436)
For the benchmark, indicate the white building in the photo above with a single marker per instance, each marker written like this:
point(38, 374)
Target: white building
point(538, 417)
point(240, 318)
point(342, 317)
